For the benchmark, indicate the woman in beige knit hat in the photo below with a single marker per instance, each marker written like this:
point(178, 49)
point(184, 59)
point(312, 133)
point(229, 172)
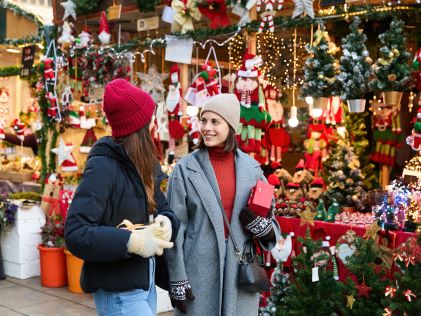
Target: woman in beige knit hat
point(208, 188)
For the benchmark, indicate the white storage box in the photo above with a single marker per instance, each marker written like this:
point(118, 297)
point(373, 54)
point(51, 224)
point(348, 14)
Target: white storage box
point(20, 248)
point(163, 300)
point(23, 270)
point(29, 220)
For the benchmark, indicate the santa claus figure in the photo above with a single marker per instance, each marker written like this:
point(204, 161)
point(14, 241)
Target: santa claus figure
point(52, 105)
point(194, 129)
point(173, 101)
point(19, 129)
point(253, 115)
point(48, 69)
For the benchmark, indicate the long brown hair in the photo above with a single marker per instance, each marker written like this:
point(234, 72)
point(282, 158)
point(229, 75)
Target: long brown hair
point(231, 144)
point(142, 151)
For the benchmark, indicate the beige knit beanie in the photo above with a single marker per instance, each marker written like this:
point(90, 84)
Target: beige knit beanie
point(225, 105)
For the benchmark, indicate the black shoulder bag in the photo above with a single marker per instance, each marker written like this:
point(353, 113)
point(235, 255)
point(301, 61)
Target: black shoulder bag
point(251, 276)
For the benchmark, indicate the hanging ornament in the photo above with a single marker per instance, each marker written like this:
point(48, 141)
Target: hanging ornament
point(350, 301)
point(390, 291)
point(69, 9)
point(363, 289)
point(63, 152)
point(152, 83)
point(409, 294)
point(104, 31)
point(19, 128)
point(185, 11)
point(66, 97)
point(303, 6)
point(85, 38)
point(345, 246)
point(216, 12)
point(268, 13)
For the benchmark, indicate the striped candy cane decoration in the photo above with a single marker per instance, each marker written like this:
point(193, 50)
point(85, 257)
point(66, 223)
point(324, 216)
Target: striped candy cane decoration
point(259, 5)
point(280, 4)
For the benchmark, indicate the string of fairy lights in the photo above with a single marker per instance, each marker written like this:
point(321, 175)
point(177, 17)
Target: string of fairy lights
point(268, 47)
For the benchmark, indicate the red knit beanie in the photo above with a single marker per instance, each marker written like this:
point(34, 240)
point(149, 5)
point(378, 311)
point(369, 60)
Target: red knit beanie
point(128, 108)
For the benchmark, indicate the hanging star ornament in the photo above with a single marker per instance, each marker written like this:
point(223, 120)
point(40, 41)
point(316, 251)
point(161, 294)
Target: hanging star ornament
point(303, 6)
point(350, 301)
point(363, 289)
point(69, 9)
point(63, 152)
point(372, 230)
point(152, 83)
point(307, 218)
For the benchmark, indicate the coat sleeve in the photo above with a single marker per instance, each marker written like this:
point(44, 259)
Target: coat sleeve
point(268, 245)
point(84, 236)
point(163, 207)
point(177, 196)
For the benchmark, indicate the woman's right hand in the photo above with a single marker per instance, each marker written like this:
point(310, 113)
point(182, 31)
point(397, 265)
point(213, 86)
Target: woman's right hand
point(145, 243)
point(180, 292)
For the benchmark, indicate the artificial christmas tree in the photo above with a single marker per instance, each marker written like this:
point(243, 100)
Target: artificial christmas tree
point(342, 172)
point(355, 68)
point(391, 70)
point(321, 69)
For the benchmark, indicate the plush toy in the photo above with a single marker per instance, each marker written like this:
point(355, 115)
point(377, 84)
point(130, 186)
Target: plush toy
point(293, 203)
point(175, 128)
point(253, 116)
point(317, 188)
point(52, 109)
point(203, 86)
point(302, 175)
point(386, 133)
point(66, 39)
point(194, 129)
point(415, 139)
point(316, 151)
point(104, 34)
point(48, 69)
point(19, 129)
point(268, 14)
point(279, 137)
point(84, 38)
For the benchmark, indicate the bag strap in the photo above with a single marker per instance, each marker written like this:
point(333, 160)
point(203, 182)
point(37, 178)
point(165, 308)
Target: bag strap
point(237, 250)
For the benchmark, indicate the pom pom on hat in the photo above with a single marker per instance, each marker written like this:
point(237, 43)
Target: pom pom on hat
point(127, 108)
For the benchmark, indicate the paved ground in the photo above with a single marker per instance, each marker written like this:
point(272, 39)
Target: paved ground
point(28, 297)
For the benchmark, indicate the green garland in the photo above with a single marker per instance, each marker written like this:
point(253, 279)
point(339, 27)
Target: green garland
point(10, 71)
point(147, 5)
point(20, 12)
point(85, 6)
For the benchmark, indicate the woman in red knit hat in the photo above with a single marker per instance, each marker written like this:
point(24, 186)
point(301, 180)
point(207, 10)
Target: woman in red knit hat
point(207, 189)
point(121, 181)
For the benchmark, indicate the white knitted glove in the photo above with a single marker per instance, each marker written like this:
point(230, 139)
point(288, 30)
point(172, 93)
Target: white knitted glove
point(166, 227)
point(144, 242)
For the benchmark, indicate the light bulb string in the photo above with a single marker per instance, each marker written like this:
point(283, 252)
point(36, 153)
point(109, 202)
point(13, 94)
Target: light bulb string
point(295, 66)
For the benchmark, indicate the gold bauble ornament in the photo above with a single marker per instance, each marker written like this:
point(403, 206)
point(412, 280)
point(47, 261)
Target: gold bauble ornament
point(391, 77)
point(320, 76)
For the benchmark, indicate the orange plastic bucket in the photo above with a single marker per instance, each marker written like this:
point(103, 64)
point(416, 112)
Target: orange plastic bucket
point(53, 267)
point(74, 268)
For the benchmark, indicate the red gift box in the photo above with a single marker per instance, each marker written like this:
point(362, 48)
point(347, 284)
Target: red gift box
point(66, 197)
point(261, 198)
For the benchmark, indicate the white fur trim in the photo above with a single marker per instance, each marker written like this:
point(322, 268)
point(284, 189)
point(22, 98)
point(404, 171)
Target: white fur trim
point(84, 149)
point(248, 73)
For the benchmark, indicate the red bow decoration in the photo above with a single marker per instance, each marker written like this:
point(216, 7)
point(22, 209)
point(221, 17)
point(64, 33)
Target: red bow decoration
point(216, 11)
point(388, 312)
point(408, 293)
point(390, 290)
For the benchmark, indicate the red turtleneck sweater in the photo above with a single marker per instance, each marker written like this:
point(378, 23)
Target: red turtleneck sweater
point(224, 167)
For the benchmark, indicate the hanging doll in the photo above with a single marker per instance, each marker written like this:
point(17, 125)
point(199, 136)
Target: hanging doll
point(48, 69)
point(279, 137)
point(52, 105)
point(333, 113)
point(268, 14)
point(253, 116)
point(316, 149)
point(175, 128)
point(66, 39)
point(194, 129)
point(386, 133)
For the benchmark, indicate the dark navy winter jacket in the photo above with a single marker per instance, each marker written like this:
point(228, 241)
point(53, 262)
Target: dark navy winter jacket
point(111, 191)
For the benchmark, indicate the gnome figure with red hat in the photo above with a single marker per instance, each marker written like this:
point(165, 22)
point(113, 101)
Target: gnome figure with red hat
point(293, 203)
point(104, 31)
point(415, 139)
point(316, 149)
point(176, 130)
point(302, 175)
point(253, 116)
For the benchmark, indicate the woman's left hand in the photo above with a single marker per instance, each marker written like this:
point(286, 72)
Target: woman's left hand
point(259, 226)
point(165, 225)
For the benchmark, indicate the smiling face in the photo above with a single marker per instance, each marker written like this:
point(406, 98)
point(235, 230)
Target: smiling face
point(214, 129)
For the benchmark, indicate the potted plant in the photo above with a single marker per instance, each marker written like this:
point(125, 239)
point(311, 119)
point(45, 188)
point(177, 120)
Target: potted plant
point(391, 70)
point(7, 219)
point(51, 252)
point(355, 67)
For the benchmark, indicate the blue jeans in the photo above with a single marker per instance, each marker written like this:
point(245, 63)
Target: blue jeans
point(136, 302)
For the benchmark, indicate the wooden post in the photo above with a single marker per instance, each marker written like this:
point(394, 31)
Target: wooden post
point(251, 41)
point(184, 80)
point(385, 176)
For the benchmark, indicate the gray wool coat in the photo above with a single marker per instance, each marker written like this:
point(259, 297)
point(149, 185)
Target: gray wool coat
point(200, 254)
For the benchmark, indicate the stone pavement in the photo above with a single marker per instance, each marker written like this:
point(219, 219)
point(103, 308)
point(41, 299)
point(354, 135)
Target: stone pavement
point(28, 297)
